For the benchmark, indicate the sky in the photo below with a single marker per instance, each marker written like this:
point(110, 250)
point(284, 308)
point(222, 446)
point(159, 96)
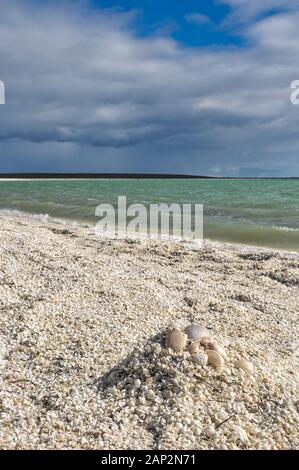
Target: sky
point(170, 86)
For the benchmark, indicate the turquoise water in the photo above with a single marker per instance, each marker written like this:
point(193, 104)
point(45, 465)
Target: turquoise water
point(252, 212)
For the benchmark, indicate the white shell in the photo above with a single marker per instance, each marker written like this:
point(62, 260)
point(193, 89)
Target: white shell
point(201, 359)
point(213, 346)
point(215, 359)
point(197, 332)
point(204, 340)
point(193, 348)
point(240, 434)
point(210, 431)
point(244, 365)
point(176, 340)
point(137, 383)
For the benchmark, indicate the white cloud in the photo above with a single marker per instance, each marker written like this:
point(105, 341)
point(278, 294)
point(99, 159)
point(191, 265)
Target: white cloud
point(244, 10)
point(277, 33)
point(198, 18)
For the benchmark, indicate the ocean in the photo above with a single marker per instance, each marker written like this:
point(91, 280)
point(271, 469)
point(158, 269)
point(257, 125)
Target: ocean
point(262, 213)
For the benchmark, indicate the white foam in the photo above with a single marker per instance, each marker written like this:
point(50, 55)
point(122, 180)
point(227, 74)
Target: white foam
point(42, 217)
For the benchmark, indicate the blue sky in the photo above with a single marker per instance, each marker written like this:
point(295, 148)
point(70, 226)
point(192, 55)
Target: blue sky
point(178, 86)
point(178, 19)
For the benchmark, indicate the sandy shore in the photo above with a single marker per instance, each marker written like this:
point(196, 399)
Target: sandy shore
point(73, 307)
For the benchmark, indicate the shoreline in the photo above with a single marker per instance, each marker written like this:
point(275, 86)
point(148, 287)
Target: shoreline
point(83, 360)
point(193, 245)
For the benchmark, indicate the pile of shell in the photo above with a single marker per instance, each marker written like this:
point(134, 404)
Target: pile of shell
point(204, 350)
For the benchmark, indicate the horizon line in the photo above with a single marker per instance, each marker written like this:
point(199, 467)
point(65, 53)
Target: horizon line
point(92, 175)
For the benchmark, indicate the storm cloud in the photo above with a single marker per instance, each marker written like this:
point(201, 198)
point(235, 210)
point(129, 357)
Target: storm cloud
point(85, 92)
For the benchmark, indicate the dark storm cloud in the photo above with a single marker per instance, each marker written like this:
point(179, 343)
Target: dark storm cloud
point(77, 82)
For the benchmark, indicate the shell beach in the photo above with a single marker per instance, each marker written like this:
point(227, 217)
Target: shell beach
point(86, 357)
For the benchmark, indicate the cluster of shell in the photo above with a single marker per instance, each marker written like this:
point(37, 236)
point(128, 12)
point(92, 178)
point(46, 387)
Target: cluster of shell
point(204, 350)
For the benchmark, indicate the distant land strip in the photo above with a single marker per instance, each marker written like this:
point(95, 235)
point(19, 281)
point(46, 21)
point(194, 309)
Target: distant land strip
point(128, 176)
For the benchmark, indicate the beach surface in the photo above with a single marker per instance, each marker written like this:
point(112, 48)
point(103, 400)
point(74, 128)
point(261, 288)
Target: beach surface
point(83, 361)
